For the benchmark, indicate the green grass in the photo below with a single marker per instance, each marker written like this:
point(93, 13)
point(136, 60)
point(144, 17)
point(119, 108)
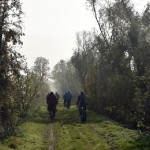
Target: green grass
point(98, 133)
point(33, 134)
point(72, 135)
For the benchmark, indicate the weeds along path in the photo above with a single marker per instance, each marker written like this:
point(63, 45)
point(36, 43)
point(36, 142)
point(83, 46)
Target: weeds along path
point(99, 133)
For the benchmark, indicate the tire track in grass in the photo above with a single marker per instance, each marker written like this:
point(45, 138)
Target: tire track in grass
point(73, 135)
point(113, 145)
point(52, 136)
point(116, 136)
point(98, 133)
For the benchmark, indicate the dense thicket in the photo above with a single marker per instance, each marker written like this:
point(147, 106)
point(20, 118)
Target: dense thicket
point(19, 86)
point(114, 64)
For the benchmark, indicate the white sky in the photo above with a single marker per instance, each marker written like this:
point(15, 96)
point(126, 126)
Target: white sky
point(51, 25)
point(50, 28)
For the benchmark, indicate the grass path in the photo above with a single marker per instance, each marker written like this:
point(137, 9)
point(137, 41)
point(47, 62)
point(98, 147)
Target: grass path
point(33, 134)
point(67, 133)
point(99, 133)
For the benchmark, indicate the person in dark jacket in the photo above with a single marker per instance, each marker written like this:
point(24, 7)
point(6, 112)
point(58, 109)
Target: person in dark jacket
point(82, 102)
point(51, 102)
point(64, 97)
point(57, 96)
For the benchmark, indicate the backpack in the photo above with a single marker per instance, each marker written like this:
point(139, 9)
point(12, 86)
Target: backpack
point(68, 96)
point(51, 100)
point(82, 100)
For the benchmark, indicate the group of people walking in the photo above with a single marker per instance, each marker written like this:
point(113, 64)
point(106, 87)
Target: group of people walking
point(52, 100)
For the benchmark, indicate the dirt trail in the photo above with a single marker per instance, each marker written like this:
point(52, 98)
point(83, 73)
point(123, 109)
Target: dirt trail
point(52, 136)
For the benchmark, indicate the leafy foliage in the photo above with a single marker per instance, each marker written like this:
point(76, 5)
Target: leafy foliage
point(114, 65)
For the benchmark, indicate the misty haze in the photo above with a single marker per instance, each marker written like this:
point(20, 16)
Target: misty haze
point(75, 75)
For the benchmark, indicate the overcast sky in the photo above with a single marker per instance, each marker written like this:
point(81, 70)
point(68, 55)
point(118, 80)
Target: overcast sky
point(50, 27)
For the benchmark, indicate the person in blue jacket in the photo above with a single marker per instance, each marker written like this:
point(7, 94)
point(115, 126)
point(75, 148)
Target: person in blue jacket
point(68, 97)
